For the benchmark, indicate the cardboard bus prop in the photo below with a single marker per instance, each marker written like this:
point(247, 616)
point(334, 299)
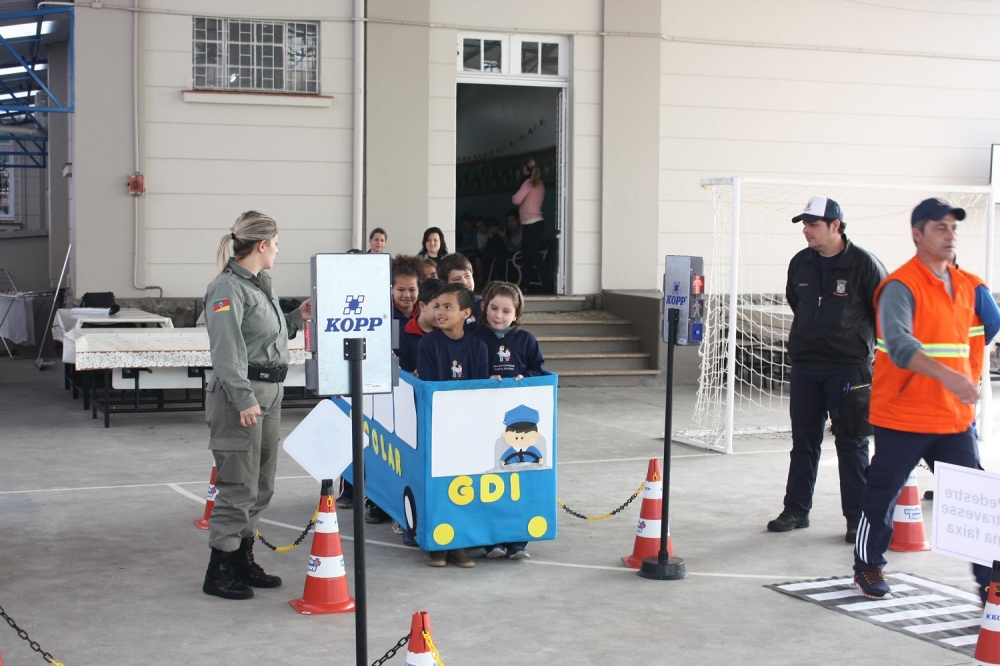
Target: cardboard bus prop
point(464, 464)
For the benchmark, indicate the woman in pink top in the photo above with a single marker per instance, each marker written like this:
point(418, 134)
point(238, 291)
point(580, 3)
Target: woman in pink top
point(529, 198)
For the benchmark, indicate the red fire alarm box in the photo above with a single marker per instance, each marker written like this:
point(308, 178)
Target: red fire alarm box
point(136, 184)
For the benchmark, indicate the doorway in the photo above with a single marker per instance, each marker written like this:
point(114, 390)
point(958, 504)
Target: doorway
point(499, 127)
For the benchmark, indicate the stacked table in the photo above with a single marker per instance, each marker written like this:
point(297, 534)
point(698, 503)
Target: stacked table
point(147, 361)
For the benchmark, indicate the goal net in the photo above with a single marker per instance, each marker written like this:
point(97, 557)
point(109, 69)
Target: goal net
point(743, 387)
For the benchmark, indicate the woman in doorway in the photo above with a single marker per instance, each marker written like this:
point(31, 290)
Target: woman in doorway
point(529, 199)
point(433, 248)
point(248, 340)
point(376, 241)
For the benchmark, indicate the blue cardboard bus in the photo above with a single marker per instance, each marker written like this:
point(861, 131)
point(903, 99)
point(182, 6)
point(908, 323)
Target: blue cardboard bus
point(465, 463)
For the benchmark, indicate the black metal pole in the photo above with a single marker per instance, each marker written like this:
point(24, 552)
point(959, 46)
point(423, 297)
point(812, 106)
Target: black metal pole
point(354, 352)
point(664, 567)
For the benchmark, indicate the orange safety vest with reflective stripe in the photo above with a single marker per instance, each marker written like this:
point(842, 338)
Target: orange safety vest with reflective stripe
point(911, 402)
point(977, 334)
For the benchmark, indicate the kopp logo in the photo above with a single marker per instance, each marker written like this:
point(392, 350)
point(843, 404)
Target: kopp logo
point(353, 306)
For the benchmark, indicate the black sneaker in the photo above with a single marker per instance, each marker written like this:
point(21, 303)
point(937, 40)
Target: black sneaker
point(872, 584)
point(788, 521)
point(346, 499)
point(373, 514)
point(852, 529)
point(928, 494)
point(247, 570)
point(220, 581)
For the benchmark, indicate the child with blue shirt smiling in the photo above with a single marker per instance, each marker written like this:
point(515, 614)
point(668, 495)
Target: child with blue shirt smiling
point(447, 354)
point(513, 353)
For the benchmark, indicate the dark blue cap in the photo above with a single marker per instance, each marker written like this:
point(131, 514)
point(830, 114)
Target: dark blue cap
point(935, 209)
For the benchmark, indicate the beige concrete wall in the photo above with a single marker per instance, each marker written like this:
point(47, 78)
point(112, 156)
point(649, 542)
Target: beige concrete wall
point(397, 124)
point(820, 115)
point(103, 152)
point(629, 158)
point(204, 163)
point(57, 201)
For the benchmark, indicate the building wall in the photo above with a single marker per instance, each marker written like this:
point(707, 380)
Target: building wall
point(205, 162)
point(811, 114)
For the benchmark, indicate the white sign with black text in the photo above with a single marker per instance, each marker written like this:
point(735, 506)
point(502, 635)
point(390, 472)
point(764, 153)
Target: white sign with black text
point(966, 513)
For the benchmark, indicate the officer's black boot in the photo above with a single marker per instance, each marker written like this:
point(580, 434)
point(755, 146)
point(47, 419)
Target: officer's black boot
point(249, 572)
point(220, 579)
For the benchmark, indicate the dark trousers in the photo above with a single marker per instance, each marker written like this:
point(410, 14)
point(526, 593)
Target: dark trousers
point(531, 253)
point(896, 454)
point(814, 393)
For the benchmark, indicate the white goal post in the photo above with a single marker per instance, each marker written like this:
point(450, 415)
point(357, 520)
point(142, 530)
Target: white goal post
point(743, 383)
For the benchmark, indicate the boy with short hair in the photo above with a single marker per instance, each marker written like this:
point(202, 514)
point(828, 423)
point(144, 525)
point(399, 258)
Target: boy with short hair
point(447, 354)
point(424, 321)
point(455, 268)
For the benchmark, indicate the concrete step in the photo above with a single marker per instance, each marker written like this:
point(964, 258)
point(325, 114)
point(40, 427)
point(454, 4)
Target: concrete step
point(576, 324)
point(558, 303)
point(581, 344)
point(599, 378)
point(558, 363)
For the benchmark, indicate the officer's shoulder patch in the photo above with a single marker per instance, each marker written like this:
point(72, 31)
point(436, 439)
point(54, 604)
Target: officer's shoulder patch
point(221, 305)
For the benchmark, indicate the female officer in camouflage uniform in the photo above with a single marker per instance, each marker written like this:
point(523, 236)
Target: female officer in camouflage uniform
point(249, 336)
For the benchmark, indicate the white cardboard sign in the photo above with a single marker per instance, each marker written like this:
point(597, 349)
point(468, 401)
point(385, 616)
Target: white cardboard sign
point(966, 513)
point(321, 443)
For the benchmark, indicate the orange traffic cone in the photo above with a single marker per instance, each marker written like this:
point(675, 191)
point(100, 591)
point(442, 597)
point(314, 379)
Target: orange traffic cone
point(908, 520)
point(420, 651)
point(988, 645)
point(202, 523)
point(647, 533)
point(326, 579)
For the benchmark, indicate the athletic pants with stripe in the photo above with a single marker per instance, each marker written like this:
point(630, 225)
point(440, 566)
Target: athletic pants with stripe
point(896, 454)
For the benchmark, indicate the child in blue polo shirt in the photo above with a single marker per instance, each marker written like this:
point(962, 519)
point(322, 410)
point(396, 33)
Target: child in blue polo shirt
point(448, 353)
point(513, 351)
point(424, 321)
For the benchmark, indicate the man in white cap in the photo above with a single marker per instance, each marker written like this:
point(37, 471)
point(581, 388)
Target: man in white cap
point(830, 288)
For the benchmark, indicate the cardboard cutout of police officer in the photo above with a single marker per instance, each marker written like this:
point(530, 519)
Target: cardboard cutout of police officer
point(831, 344)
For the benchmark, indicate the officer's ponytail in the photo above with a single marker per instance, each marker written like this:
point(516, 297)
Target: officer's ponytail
point(251, 228)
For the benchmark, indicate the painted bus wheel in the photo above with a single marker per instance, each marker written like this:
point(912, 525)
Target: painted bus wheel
point(410, 510)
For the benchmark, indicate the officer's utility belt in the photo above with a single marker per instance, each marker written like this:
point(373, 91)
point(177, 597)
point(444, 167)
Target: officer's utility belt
point(272, 375)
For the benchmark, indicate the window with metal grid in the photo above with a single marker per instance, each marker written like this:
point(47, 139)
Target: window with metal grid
point(252, 55)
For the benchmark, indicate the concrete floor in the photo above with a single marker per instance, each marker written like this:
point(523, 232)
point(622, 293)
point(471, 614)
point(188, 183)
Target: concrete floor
point(100, 562)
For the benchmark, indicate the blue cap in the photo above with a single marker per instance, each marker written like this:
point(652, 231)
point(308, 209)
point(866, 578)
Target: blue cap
point(935, 209)
point(820, 208)
point(520, 414)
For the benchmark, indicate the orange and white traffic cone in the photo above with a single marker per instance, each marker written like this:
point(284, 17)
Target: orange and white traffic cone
point(647, 533)
point(420, 651)
point(202, 523)
point(908, 520)
point(326, 579)
point(988, 645)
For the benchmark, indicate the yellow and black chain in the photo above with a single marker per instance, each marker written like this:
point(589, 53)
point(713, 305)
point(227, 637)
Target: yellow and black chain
point(392, 651)
point(603, 516)
point(300, 539)
point(24, 635)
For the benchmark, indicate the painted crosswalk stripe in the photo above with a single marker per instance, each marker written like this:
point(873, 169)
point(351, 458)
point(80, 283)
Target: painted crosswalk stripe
point(937, 587)
point(851, 592)
point(925, 612)
point(943, 626)
point(815, 584)
point(961, 640)
point(890, 603)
